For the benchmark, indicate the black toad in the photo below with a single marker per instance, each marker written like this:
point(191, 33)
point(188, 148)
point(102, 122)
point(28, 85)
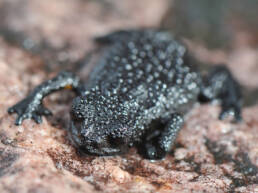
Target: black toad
point(136, 95)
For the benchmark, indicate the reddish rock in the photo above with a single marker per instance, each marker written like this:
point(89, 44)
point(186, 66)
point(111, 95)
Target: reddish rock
point(209, 155)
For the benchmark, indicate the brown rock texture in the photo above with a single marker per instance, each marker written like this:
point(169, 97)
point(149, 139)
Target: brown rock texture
point(38, 38)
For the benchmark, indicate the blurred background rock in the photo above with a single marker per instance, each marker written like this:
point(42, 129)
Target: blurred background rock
point(216, 24)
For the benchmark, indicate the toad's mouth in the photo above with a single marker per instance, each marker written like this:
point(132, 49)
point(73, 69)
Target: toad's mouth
point(90, 147)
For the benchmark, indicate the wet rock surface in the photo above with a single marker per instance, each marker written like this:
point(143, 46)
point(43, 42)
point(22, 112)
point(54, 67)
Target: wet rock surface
point(39, 38)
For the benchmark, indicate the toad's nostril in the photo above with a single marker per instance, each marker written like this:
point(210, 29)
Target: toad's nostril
point(115, 142)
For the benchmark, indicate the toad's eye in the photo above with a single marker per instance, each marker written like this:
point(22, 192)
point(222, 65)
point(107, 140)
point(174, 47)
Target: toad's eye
point(77, 116)
point(79, 110)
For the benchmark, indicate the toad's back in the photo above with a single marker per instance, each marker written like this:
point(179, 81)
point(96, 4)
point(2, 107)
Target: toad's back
point(146, 66)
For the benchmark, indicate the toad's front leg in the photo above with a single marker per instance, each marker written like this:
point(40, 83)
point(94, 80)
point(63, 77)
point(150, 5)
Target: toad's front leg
point(32, 107)
point(156, 145)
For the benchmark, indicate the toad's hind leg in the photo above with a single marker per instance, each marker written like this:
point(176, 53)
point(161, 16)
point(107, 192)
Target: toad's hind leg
point(220, 84)
point(157, 144)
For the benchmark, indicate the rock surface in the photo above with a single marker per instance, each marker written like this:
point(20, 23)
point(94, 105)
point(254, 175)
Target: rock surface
point(214, 23)
point(42, 36)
